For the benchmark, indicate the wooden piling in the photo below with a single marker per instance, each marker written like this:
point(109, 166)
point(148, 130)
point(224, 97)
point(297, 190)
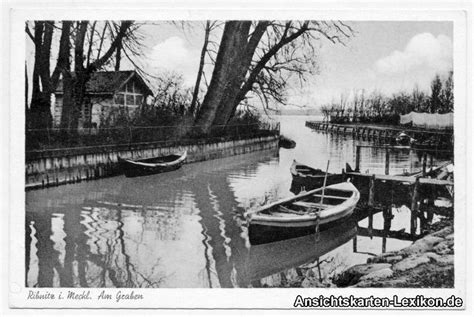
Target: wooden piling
point(371, 201)
point(414, 206)
point(357, 167)
point(424, 164)
point(370, 227)
point(384, 243)
point(387, 161)
point(387, 222)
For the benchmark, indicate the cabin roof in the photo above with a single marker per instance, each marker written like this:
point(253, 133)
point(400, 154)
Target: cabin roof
point(109, 82)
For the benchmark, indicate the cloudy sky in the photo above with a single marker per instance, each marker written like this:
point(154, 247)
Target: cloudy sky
point(384, 56)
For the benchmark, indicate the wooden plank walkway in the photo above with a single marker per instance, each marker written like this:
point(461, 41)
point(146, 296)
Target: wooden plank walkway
point(386, 133)
point(349, 127)
point(404, 179)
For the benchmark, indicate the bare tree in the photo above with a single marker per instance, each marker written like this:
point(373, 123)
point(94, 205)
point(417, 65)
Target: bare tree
point(44, 82)
point(257, 57)
point(326, 111)
point(435, 99)
point(207, 30)
point(74, 83)
point(447, 97)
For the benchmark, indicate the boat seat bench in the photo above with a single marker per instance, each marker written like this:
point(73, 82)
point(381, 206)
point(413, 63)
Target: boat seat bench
point(288, 210)
point(331, 197)
point(309, 204)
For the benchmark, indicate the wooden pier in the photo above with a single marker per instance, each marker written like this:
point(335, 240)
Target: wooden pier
point(416, 191)
point(375, 132)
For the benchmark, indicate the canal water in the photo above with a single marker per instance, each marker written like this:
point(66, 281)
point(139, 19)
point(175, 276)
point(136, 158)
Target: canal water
point(186, 228)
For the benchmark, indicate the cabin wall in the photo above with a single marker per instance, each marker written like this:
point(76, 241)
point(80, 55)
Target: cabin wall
point(57, 108)
point(50, 168)
point(101, 106)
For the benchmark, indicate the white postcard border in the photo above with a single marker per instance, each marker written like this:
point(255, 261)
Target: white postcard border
point(228, 298)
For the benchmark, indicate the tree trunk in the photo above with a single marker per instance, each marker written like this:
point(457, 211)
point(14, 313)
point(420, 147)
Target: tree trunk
point(226, 74)
point(229, 104)
point(68, 102)
point(40, 110)
point(118, 57)
point(231, 83)
point(201, 67)
point(74, 87)
point(26, 98)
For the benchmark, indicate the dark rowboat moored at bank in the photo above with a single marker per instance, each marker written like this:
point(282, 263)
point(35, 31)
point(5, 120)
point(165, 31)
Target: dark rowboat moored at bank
point(154, 165)
point(308, 178)
point(299, 215)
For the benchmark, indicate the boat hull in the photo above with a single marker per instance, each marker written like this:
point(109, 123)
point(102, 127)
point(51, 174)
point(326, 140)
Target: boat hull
point(300, 183)
point(131, 170)
point(151, 166)
point(277, 256)
point(307, 178)
point(268, 224)
point(261, 234)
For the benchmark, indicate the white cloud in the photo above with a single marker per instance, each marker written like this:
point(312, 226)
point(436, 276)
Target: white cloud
point(424, 52)
point(174, 55)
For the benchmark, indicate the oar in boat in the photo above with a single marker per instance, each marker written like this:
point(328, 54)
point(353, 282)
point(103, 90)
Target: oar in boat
point(316, 229)
point(324, 184)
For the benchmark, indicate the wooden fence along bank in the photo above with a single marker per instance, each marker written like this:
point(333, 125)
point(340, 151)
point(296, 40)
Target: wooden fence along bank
point(56, 167)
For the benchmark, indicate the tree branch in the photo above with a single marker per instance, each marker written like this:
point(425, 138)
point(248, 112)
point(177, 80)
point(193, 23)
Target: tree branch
point(124, 26)
point(28, 31)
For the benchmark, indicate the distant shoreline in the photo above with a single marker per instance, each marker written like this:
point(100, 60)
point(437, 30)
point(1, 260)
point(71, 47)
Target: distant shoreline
point(299, 113)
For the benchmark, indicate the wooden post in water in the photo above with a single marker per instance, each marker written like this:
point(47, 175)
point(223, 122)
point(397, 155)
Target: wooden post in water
point(384, 242)
point(371, 201)
point(387, 161)
point(424, 164)
point(370, 227)
point(357, 167)
point(387, 222)
point(371, 204)
point(414, 206)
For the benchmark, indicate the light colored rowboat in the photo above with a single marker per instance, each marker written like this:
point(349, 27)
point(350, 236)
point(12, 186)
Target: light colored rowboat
point(306, 209)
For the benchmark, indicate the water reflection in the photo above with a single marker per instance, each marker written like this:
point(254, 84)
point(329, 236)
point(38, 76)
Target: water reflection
point(186, 228)
point(268, 259)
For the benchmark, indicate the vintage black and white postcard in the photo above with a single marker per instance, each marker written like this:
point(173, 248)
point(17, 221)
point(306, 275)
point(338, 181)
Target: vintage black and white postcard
point(282, 156)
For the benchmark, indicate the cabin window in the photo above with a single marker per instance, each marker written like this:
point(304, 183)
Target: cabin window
point(130, 100)
point(86, 112)
point(119, 99)
point(138, 100)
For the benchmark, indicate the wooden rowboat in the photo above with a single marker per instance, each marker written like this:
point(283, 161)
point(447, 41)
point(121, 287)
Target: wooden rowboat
point(308, 178)
point(266, 259)
point(154, 165)
point(299, 215)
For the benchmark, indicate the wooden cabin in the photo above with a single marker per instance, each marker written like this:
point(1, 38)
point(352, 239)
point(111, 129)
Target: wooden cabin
point(106, 92)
